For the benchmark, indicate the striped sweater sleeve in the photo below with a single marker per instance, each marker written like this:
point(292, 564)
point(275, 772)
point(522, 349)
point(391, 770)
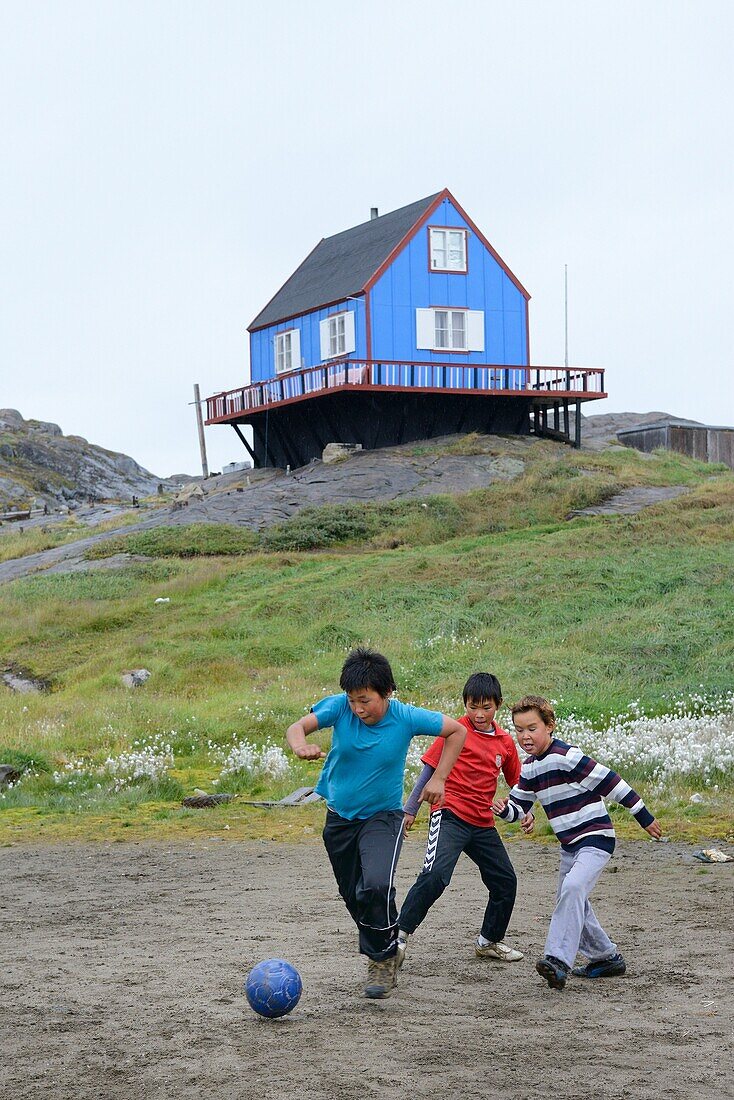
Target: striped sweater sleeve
point(605, 783)
point(520, 801)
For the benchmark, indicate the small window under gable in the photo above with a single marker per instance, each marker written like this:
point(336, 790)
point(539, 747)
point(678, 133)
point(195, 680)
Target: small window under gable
point(287, 351)
point(447, 249)
point(337, 335)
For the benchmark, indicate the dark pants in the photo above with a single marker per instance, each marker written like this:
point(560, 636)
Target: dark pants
point(448, 837)
point(364, 855)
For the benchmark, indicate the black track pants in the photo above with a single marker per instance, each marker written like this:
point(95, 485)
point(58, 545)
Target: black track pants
point(448, 837)
point(364, 855)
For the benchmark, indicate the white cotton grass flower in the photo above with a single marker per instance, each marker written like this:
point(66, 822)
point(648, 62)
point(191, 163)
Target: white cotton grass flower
point(449, 640)
point(151, 760)
point(75, 769)
point(695, 739)
point(148, 759)
point(246, 757)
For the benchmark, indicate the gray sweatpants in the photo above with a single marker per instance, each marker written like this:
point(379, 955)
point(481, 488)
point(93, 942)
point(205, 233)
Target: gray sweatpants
point(574, 926)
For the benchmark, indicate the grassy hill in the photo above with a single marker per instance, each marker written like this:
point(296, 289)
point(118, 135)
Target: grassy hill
point(603, 614)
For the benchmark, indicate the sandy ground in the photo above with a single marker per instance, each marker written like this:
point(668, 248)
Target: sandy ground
point(123, 968)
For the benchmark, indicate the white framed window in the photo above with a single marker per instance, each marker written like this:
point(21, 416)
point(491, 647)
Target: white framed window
point(449, 329)
point(447, 249)
point(337, 335)
point(287, 351)
point(445, 329)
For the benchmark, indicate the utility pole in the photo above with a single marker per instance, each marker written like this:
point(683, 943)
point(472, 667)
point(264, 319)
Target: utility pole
point(200, 424)
point(565, 279)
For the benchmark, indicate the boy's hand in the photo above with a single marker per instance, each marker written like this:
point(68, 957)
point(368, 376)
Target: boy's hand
point(433, 791)
point(296, 735)
point(309, 752)
point(527, 823)
point(499, 805)
point(408, 820)
point(654, 829)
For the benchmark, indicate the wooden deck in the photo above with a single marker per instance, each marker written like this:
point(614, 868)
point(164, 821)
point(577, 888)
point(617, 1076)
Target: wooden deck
point(547, 385)
point(380, 404)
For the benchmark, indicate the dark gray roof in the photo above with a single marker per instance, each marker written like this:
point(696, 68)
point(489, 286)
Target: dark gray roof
point(342, 264)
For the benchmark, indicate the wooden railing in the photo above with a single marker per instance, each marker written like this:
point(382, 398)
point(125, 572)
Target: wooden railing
point(425, 377)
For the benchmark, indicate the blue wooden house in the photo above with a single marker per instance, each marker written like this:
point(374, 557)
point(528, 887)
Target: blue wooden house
point(405, 327)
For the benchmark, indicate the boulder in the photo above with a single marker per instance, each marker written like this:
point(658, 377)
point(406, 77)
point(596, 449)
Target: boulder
point(45, 427)
point(11, 418)
point(21, 682)
point(334, 452)
point(136, 678)
point(8, 774)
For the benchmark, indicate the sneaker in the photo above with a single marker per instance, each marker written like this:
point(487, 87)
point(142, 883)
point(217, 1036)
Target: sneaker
point(602, 968)
point(381, 978)
point(402, 947)
point(553, 970)
point(499, 950)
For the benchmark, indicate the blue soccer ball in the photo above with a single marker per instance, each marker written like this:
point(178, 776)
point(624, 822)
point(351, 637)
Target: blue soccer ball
point(273, 988)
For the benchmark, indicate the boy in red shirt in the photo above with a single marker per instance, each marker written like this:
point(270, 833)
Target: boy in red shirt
point(465, 822)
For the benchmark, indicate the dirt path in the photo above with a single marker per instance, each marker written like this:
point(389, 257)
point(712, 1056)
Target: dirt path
point(123, 970)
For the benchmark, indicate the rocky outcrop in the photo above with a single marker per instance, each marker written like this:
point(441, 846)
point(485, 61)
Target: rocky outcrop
point(631, 501)
point(38, 462)
point(259, 498)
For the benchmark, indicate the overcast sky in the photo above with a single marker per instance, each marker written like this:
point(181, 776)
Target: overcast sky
point(165, 166)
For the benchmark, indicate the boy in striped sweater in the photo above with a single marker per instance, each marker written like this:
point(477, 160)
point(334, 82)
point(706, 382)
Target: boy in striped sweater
point(571, 788)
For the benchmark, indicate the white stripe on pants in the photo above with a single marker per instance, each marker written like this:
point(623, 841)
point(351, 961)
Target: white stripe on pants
point(574, 926)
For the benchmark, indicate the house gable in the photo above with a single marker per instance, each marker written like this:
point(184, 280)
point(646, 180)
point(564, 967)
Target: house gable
point(446, 201)
point(405, 290)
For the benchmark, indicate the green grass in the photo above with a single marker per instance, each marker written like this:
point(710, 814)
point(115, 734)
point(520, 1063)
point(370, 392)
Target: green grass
point(32, 540)
point(15, 543)
point(194, 541)
point(556, 482)
point(595, 612)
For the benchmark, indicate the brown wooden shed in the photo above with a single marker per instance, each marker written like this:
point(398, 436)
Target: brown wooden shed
point(705, 442)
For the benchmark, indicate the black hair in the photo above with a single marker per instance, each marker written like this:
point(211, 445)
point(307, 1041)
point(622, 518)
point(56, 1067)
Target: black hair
point(364, 668)
point(481, 686)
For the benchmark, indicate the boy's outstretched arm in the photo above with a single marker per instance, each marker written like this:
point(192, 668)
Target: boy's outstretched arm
point(297, 733)
point(455, 735)
point(601, 780)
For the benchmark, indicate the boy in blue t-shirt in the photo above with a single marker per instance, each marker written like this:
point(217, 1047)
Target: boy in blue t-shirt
point(362, 784)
